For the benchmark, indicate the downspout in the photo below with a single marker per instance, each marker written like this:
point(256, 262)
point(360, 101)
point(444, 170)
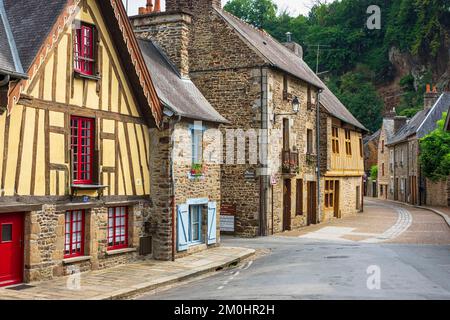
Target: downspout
point(264, 145)
point(172, 187)
point(319, 211)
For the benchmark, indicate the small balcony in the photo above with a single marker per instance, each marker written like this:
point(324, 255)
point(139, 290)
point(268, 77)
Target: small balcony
point(290, 162)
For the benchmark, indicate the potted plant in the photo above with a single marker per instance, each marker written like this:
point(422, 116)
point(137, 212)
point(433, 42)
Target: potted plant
point(197, 170)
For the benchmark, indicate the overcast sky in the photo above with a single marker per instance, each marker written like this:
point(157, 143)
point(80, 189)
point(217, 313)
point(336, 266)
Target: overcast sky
point(295, 7)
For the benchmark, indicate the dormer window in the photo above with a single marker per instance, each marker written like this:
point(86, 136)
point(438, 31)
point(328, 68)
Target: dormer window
point(84, 50)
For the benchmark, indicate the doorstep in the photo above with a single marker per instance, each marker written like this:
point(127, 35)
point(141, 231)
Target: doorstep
point(130, 279)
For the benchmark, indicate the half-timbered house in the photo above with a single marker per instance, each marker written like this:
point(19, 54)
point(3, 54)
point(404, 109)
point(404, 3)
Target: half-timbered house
point(77, 105)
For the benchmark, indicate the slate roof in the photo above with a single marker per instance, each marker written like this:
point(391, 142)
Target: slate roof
point(31, 22)
point(371, 137)
point(179, 94)
point(282, 58)
point(10, 63)
point(423, 122)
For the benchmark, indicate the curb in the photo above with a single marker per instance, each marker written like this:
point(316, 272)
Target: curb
point(151, 285)
point(443, 215)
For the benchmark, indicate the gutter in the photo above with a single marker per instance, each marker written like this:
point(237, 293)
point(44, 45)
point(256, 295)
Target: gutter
point(319, 211)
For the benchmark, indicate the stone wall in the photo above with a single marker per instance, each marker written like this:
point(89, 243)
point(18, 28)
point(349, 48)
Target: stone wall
point(44, 242)
point(438, 193)
point(384, 180)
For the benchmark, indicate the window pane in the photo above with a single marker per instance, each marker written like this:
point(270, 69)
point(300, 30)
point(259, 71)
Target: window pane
point(6, 232)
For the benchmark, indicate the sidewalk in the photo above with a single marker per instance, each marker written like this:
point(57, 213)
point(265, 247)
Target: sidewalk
point(126, 280)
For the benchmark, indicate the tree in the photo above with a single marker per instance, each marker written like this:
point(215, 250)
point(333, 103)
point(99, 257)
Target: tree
point(374, 173)
point(435, 153)
point(259, 13)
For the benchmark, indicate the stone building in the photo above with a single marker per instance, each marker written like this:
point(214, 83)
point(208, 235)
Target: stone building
point(342, 159)
point(370, 160)
point(407, 181)
point(75, 179)
point(269, 96)
point(384, 161)
point(184, 163)
point(447, 122)
point(242, 86)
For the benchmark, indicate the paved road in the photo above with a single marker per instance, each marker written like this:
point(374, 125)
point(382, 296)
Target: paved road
point(411, 253)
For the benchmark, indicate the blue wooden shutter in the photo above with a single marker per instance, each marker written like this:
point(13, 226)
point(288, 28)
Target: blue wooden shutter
point(212, 223)
point(183, 227)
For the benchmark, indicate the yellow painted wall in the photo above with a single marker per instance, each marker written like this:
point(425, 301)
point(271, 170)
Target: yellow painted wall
point(343, 164)
point(55, 83)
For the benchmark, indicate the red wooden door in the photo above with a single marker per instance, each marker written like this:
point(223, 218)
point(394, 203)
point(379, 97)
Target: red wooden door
point(11, 249)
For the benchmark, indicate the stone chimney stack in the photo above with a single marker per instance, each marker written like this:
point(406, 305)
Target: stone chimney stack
point(194, 6)
point(170, 30)
point(399, 122)
point(430, 97)
point(293, 46)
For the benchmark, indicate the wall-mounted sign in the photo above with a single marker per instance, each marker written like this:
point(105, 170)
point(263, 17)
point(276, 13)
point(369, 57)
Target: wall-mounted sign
point(227, 223)
point(250, 175)
point(227, 217)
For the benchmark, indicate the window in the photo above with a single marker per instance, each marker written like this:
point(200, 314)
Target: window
point(381, 190)
point(197, 146)
point(74, 234)
point(117, 228)
point(82, 146)
point(309, 141)
point(335, 140)
point(299, 198)
point(285, 87)
point(361, 152)
point(402, 159)
point(382, 146)
point(348, 142)
point(329, 194)
point(7, 233)
point(84, 50)
point(309, 97)
point(382, 169)
point(195, 223)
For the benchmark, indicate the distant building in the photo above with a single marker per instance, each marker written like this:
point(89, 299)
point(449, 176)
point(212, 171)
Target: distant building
point(407, 183)
point(370, 160)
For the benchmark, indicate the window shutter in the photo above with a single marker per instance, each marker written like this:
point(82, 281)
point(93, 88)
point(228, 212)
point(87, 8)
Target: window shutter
point(95, 54)
point(183, 227)
point(212, 223)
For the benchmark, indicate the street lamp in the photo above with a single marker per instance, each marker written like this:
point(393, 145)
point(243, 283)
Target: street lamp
point(295, 109)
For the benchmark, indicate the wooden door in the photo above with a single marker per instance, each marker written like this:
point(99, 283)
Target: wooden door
point(312, 203)
point(11, 249)
point(358, 199)
point(336, 200)
point(287, 205)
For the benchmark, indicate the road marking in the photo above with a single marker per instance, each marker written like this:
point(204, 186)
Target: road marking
point(403, 223)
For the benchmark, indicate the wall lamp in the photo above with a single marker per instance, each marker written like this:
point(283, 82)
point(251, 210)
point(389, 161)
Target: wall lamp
point(295, 109)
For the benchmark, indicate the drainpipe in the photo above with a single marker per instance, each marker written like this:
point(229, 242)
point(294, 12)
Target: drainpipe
point(263, 153)
point(319, 211)
point(172, 187)
point(5, 80)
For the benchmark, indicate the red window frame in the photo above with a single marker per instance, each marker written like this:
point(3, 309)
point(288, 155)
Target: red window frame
point(82, 146)
point(84, 50)
point(74, 234)
point(117, 228)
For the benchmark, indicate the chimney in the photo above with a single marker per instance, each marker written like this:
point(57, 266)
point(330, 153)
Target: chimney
point(171, 31)
point(157, 6)
point(430, 97)
point(399, 122)
point(193, 6)
point(293, 46)
point(148, 8)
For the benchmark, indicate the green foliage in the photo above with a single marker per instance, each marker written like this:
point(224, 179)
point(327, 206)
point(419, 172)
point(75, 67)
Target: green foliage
point(359, 95)
point(374, 173)
point(260, 13)
point(435, 152)
point(409, 112)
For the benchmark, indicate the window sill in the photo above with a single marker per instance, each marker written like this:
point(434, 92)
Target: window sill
point(120, 251)
point(88, 186)
point(85, 76)
point(76, 259)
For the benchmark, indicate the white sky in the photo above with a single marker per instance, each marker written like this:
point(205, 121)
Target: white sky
point(295, 7)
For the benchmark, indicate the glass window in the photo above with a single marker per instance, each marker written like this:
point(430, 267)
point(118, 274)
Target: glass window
point(84, 50)
point(6, 232)
point(117, 228)
point(82, 146)
point(74, 234)
point(195, 217)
